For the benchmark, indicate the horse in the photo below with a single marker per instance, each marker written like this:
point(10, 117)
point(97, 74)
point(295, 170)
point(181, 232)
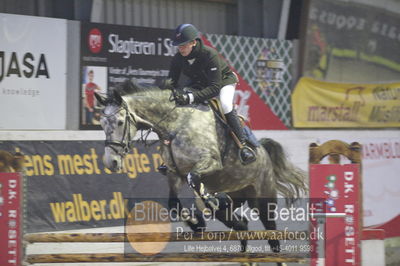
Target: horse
point(194, 139)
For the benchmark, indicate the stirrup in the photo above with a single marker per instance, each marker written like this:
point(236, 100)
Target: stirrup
point(249, 159)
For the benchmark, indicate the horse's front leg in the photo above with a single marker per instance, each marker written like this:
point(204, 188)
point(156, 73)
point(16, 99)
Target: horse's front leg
point(205, 167)
point(194, 219)
point(174, 184)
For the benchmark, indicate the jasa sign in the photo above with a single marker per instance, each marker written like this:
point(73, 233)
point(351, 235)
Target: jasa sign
point(23, 65)
point(32, 72)
point(338, 186)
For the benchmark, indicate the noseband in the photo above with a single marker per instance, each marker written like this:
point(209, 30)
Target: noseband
point(125, 143)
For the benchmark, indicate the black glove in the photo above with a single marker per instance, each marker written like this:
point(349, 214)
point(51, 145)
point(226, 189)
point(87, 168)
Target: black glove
point(182, 98)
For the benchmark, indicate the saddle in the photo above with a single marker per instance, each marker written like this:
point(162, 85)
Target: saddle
point(215, 105)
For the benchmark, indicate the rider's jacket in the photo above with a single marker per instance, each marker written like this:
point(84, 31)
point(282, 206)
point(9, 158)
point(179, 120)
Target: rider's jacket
point(207, 71)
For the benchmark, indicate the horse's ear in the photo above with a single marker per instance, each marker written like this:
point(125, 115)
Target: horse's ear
point(117, 97)
point(126, 87)
point(100, 99)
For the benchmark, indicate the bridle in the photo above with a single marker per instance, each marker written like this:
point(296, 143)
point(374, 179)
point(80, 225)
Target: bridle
point(123, 146)
point(125, 143)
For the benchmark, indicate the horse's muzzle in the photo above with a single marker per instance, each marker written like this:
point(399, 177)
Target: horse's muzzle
point(112, 160)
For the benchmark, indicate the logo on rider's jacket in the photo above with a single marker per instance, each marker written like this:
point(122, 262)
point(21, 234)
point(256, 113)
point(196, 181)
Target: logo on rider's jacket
point(95, 40)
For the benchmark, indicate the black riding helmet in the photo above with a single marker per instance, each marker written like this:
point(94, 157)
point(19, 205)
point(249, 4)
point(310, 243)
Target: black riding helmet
point(184, 33)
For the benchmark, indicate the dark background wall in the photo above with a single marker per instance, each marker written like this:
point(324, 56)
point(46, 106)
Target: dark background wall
point(255, 18)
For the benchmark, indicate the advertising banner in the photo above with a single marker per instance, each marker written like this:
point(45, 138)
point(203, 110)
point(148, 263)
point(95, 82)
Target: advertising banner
point(339, 186)
point(264, 68)
point(381, 165)
point(10, 219)
point(110, 54)
point(381, 192)
point(68, 186)
point(32, 72)
point(249, 105)
point(318, 104)
point(352, 31)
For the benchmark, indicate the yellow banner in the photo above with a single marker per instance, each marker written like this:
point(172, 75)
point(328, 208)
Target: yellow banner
point(319, 104)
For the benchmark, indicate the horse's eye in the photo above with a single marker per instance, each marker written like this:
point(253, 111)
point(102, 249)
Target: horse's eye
point(120, 123)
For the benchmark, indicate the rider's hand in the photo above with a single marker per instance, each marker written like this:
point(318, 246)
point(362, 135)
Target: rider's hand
point(184, 98)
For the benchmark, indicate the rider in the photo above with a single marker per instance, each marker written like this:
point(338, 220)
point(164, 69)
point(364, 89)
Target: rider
point(209, 75)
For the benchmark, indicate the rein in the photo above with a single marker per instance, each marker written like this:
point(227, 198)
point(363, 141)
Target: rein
point(126, 143)
point(143, 137)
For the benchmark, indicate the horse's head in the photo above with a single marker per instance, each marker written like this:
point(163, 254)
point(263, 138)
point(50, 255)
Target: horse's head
point(120, 126)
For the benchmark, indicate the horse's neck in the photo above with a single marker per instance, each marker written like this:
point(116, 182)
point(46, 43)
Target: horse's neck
point(165, 118)
point(156, 109)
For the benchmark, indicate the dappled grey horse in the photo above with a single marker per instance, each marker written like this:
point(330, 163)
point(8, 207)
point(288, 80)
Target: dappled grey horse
point(193, 140)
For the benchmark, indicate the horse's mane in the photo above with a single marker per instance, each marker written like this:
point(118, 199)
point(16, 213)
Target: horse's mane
point(131, 86)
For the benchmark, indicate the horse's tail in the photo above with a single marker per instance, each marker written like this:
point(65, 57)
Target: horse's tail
point(290, 180)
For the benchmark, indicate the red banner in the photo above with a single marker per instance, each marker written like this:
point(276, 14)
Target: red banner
point(251, 106)
point(10, 219)
point(338, 187)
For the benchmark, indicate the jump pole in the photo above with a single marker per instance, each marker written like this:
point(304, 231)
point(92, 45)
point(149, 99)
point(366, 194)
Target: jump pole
point(164, 257)
point(164, 237)
point(329, 184)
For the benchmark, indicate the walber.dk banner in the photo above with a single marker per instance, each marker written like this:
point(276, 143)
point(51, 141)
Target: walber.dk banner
point(110, 54)
point(318, 104)
point(32, 72)
point(68, 186)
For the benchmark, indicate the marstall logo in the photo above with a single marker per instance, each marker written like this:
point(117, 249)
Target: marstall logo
point(31, 67)
point(95, 40)
point(349, 109)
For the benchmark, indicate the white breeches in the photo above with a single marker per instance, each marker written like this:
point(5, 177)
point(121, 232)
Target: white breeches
point(226, 97)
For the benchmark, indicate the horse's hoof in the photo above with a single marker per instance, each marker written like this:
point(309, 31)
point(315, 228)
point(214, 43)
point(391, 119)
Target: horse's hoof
point(275, 246)
point(163, 169)
point(212, 202)
point(248, 264)
point(225, 201)
point(196, 223)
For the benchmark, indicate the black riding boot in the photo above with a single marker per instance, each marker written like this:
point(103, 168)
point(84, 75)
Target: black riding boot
point(246, 154)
